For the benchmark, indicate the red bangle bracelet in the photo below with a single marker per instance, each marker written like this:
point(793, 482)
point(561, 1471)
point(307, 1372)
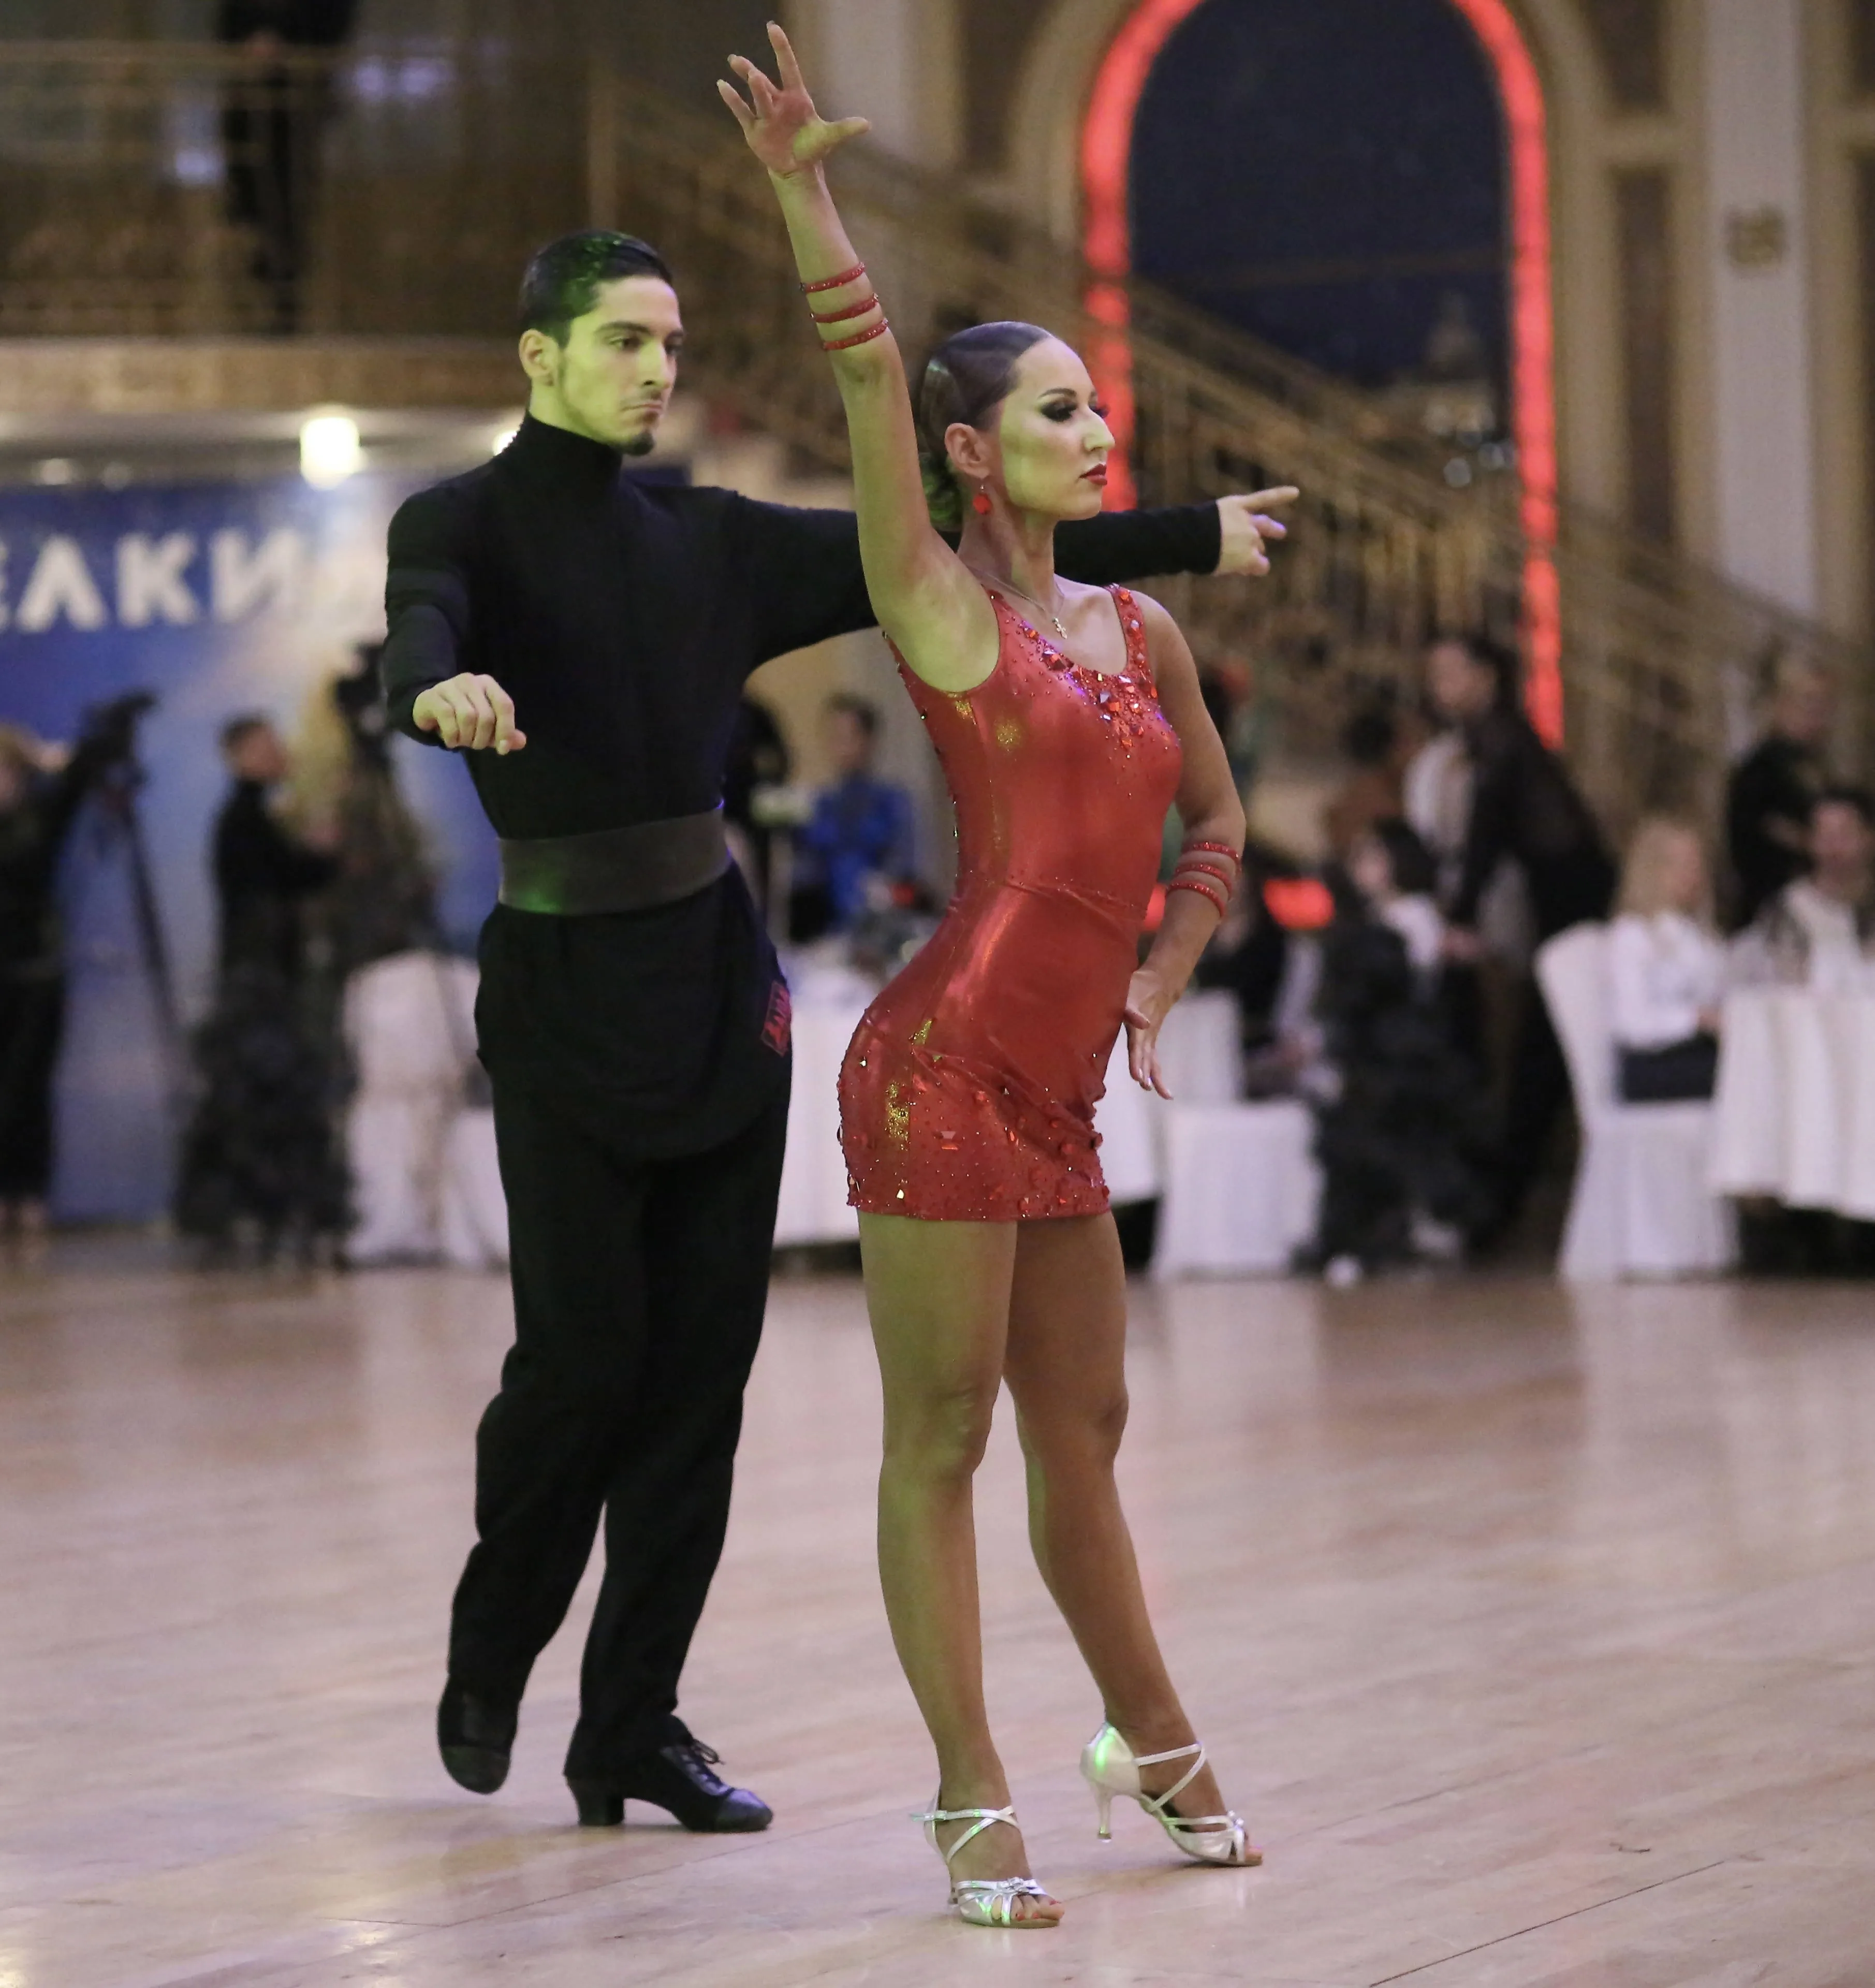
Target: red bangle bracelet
point(852, 310)
point(1215, 848)
point(834, 282)
point(1206, 890)
point(859, 338)
point(1209, 865)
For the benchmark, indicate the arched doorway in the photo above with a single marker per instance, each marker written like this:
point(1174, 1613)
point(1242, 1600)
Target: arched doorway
point(1148, 104)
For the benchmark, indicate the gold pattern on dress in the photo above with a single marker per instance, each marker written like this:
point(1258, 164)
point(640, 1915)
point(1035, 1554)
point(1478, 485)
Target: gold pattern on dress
point(897, 1116)
point(961, 706)
point(922, 1034)
point(1009, 734)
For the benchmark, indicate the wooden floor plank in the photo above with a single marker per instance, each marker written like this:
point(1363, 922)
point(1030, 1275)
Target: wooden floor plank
point(1535, 1632)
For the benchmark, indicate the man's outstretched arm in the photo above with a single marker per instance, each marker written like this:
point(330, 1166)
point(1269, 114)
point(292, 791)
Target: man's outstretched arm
point(1230, 536)
point(804, 565)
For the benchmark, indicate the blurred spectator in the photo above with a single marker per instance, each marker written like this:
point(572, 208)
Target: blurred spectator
point(1817, 930)
point(759, 764)
point(273, 120)
point(384, 900)
point(1768, 797)
point(1524, 805)
point(1248, 953)
point(858, 843)
point(1372, 791)
point(260, 1154)
point(1228, 689)
point(41, 789)
point(1402, 1134)
point(1666, 967)
point(261, 873)
point(1485, 995)
point(1394, 872)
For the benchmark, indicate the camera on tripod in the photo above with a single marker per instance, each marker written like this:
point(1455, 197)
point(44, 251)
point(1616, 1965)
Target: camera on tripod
point(360, 699)
point(110, 729)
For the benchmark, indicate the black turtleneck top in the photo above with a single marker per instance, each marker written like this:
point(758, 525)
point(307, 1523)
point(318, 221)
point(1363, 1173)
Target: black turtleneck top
point(624, 618)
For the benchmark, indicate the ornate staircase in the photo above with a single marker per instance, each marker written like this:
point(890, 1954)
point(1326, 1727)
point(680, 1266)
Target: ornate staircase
point(441, 164)
point(1661, 657)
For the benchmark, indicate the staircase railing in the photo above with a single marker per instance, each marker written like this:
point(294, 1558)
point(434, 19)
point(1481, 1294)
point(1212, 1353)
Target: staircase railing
point(147, 188)
point(1663, 658)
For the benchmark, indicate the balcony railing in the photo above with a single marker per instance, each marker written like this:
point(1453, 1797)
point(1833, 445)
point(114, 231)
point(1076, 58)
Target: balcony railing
point(170, 189)
point(146, 189)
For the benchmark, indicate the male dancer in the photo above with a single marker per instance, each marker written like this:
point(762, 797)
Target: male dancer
point(631, 1017)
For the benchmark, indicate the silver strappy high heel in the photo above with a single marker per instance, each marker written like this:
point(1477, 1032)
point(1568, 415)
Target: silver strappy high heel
point(1110, 1768)
point(983, 1902)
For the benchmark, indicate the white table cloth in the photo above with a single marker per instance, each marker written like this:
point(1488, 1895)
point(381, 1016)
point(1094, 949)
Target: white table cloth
point(813, 1190)
point(1794, 1105)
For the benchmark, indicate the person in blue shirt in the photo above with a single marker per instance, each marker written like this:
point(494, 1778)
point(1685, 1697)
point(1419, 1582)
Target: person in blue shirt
point(861, 828)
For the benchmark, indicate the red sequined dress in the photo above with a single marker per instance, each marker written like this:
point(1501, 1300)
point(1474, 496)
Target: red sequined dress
point(968, 1092)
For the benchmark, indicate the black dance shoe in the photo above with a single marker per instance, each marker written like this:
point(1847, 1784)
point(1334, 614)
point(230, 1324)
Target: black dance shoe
point(676, 1777)
point(475, 1737)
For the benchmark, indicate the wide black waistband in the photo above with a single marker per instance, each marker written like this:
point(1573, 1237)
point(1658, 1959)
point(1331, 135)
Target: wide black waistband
point(615, 869)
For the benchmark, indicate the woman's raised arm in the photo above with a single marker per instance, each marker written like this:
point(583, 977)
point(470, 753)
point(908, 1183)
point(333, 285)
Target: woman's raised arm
point(926, 599)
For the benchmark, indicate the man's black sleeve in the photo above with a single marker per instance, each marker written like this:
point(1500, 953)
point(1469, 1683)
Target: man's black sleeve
point(426, 603)
point(1120, 545)
point(805, 576)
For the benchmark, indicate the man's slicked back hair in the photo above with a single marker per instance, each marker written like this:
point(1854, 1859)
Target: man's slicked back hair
point(563, 280)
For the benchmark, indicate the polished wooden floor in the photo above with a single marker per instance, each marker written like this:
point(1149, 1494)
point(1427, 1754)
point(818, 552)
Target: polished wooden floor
point(1534, 1632)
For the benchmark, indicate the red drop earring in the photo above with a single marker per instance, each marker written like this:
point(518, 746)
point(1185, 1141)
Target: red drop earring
point(981, 503)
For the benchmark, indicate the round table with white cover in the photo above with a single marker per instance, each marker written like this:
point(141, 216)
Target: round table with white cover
point(1794, 1111)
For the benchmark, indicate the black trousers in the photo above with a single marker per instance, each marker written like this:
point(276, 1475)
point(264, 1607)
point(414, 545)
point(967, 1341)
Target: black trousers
point(639, 1292)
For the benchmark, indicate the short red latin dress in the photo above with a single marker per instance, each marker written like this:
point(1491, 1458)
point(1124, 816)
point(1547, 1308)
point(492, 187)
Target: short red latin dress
point(968, 1092)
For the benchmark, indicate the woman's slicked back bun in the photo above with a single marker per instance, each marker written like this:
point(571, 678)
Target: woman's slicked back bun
point(965, 379)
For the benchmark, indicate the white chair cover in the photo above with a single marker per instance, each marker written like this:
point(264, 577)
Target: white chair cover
point(1241, 1189)
point(410, 1029)
point(1641, 1205)
point(474, 1211)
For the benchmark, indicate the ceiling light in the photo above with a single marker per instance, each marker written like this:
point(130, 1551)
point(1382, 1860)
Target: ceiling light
point(329, 449)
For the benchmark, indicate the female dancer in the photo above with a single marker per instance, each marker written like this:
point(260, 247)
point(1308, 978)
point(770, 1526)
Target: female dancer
point(967, 1097)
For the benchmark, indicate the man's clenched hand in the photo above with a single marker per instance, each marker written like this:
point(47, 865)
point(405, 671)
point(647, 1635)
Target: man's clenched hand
point(470, 713)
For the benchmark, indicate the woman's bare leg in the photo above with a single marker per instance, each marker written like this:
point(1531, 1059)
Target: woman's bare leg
point(938, 1294)
point(1066, 1368)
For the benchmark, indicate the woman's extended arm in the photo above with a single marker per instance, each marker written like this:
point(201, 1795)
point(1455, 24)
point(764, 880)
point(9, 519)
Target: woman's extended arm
point(1213, 816)
point(926, 598)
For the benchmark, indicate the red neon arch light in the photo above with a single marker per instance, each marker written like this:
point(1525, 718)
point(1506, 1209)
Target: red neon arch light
point(1106, 151)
